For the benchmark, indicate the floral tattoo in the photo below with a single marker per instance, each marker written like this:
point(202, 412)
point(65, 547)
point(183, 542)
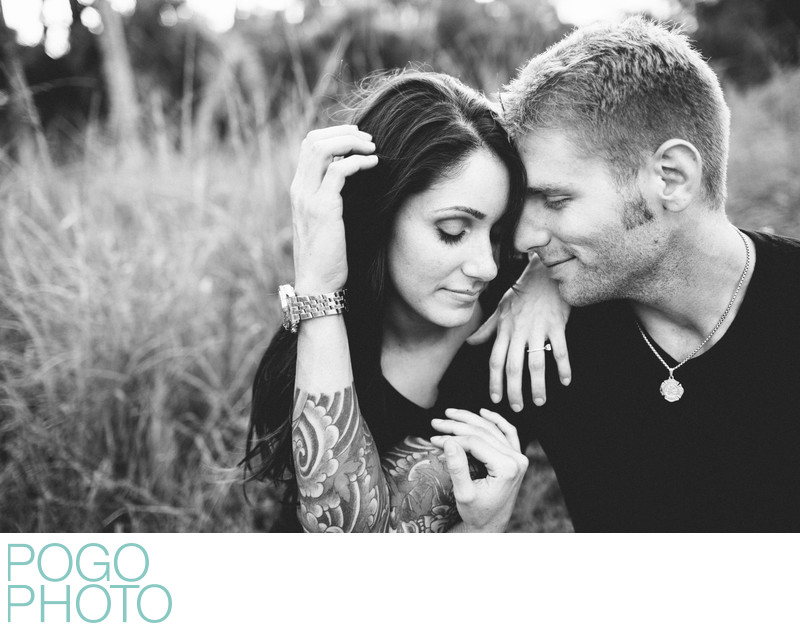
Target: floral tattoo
point(343, 484)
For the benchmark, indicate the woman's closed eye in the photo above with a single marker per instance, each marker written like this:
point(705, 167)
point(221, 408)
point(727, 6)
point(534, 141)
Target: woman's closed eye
point(451, 230)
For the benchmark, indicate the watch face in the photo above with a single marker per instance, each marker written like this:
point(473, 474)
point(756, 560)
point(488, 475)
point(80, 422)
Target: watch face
point(285, 293)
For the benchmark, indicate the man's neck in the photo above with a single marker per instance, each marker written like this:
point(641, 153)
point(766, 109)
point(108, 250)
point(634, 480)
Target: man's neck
point(703, 277)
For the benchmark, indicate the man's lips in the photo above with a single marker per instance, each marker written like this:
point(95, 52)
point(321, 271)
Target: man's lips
point(551, 264)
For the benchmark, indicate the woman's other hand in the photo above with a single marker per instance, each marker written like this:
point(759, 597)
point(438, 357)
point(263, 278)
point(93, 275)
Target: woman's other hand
point(327, 157)
point(530, 315)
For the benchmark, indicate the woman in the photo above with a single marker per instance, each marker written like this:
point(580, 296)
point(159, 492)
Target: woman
point(411, 231)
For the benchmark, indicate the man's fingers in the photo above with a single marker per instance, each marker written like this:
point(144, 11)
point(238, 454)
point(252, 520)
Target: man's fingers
point(500, 462)
point(458, 467)
point(488, 432)
point(559, 342)
point(478, 420)
point(338, 172)
point(508, 430)
point(485, 331)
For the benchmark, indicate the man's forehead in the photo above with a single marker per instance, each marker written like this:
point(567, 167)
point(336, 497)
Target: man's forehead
point(535, 143)
point(553, 155)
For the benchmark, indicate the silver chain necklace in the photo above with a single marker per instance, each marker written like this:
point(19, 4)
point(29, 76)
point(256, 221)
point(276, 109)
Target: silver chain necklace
point(671, 389)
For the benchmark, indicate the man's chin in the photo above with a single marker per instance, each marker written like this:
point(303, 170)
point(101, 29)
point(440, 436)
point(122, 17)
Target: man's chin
point(577, 296)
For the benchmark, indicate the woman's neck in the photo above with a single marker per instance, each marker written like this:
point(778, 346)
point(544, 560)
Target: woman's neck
point(415, 354)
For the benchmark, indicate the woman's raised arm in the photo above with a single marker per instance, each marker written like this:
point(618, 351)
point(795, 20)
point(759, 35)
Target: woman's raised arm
point(337, 466)
point(343, 485)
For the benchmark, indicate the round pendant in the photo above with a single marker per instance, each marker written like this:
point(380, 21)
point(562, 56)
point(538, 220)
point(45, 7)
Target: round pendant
point(671, 389)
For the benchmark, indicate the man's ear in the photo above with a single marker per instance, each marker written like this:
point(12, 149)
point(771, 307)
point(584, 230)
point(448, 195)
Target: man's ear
point(678, 170)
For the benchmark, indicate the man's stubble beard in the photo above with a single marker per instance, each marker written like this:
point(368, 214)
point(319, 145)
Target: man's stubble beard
point(630, 271)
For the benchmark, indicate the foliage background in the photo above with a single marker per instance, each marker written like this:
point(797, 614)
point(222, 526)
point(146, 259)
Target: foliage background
point(142, 236)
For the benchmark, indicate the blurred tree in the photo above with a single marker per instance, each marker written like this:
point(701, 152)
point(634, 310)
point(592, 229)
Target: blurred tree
point(161, 58)
point(23, 116)
point(487, 41)
point(748, 39)
point(118, 74)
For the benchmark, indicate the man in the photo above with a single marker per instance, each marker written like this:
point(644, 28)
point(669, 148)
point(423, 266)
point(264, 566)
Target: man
point(684, 409)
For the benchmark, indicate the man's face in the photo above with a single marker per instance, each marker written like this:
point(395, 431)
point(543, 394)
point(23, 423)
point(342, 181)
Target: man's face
point(598, 241)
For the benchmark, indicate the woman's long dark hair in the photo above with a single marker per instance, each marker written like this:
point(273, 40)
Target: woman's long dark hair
point(424, 126)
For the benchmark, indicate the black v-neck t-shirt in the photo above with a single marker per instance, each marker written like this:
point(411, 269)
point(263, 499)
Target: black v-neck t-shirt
point(725, 457)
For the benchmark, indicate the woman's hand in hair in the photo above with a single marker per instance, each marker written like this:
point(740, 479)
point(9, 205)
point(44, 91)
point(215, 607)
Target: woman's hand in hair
point(530, 315)
point(327, 157)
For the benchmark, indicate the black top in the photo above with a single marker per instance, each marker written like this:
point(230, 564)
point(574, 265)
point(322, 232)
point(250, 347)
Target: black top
point(464, 385)
point(725, 457)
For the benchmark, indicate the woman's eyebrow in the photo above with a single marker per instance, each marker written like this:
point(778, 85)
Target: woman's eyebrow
point(465, 209)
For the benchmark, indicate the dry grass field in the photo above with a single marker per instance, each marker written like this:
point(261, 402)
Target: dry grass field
point(137, 295)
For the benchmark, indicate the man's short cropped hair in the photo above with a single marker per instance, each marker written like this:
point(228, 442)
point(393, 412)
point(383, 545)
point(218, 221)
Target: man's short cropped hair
point(622, 90)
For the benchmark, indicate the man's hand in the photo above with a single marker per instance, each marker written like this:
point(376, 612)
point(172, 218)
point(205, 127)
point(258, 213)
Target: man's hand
point(485, 504)
point(529, 315)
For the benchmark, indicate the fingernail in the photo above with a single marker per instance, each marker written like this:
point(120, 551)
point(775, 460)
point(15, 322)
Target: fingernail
point(494, 397)
point(516, 407)
point(566, 381)
point(539, 401)
point(437, 439)
point(436, 420)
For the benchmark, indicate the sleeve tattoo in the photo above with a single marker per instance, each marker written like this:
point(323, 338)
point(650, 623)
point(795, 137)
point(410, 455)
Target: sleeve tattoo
point(344, 485)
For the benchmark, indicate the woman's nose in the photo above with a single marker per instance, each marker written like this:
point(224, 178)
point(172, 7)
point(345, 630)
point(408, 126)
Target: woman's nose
point(481, 264)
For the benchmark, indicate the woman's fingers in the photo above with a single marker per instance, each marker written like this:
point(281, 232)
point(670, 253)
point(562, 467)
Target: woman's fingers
point(537, 357)
point(337, 172)
point(514, 363)
point(316, 157)
point(484, 332)
point(327, 158)
point(335, 130)
point(497, 363)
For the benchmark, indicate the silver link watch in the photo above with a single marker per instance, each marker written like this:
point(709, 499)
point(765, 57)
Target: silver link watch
point(296, 308)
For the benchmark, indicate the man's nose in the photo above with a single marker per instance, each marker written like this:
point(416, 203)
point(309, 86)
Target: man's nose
point(530, 232)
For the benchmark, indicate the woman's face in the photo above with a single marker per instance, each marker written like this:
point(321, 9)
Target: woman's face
point(441, 255)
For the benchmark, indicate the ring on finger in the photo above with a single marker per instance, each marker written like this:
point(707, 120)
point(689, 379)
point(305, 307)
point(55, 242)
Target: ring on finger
point(546, 347)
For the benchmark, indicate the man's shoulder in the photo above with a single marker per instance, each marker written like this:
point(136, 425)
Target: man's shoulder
point(777, 267)
point(785, 248)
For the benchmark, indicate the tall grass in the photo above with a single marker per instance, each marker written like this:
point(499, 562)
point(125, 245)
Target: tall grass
point(135, 304)
point(137, 295)
point(764, 173)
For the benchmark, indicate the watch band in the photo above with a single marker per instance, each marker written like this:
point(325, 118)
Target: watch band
point(297, 308)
